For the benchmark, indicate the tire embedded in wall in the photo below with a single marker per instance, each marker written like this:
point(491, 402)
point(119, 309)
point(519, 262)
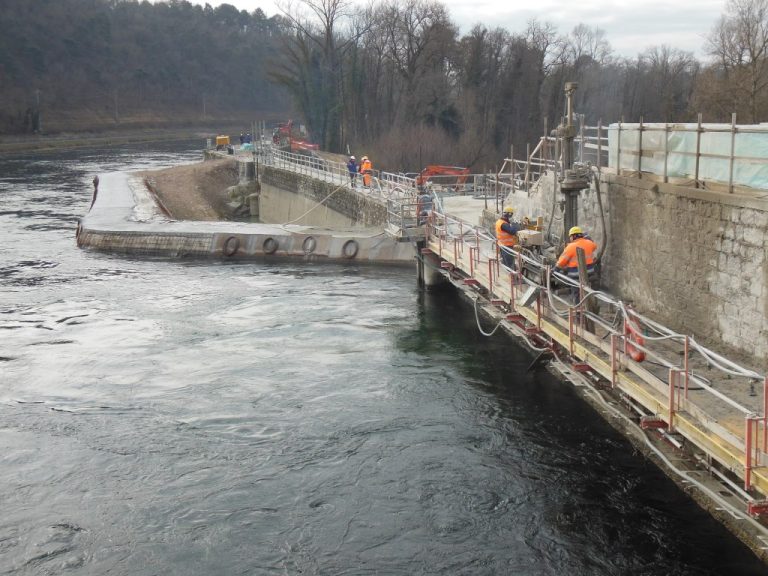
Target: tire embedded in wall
point(309, 245)
point(269, 245)
point(231, 245)
point(350, 249)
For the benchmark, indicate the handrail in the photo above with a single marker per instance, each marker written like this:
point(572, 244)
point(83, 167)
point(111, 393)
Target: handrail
point(484, 245)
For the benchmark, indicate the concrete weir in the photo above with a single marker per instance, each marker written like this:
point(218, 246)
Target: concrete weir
point(125, 218)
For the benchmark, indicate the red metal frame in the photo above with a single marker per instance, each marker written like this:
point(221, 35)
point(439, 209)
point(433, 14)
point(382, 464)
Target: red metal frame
point(748, 453)
point(757, 507)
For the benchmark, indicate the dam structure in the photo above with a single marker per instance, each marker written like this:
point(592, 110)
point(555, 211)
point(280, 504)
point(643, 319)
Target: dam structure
point(126, 216)
point(663, 349)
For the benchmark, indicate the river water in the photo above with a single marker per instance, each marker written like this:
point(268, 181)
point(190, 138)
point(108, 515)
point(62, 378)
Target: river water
point(203, 417)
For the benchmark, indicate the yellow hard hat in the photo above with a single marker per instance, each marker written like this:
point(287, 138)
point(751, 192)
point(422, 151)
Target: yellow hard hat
point(575, 230)
point(509, 210)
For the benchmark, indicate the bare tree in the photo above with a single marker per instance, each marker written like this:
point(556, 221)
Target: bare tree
point(739, 43)
point(588, 44)
point(670, 75)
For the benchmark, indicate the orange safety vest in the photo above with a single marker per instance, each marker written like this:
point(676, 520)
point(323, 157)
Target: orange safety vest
point(503, 237)
point(569, 259)
point(366, 169)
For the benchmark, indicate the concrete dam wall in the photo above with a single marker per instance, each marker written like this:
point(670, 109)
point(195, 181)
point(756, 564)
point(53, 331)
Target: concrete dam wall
point(126, 218)
point(694, 259)
point(286, 196)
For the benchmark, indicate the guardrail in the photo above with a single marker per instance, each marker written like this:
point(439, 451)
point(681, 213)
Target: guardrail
point(673, 366)
point(383, 186)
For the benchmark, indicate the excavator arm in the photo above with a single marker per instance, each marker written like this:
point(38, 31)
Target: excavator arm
point(437, 170)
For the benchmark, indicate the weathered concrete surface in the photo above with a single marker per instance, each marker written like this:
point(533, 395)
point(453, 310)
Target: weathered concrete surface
point(693, 259)
point(124, 218)
point(361, 210)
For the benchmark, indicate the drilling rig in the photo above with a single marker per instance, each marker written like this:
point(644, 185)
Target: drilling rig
point(574, 177)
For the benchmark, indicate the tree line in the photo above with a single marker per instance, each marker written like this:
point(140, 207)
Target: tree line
point(394, 79)
point(92, 63)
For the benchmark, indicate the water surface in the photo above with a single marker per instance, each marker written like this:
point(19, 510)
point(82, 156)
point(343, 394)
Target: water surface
point(206, 417)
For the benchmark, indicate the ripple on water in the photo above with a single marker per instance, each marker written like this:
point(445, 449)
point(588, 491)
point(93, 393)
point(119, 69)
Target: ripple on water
point(53, 548)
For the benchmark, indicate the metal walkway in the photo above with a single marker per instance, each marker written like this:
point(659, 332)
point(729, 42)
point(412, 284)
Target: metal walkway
point(706, 405)
point(698, 399)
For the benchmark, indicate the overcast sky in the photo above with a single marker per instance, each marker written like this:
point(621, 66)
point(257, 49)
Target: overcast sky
point(631, 26)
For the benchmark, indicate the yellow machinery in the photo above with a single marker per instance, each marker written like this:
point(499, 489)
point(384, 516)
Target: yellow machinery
point(222, 142)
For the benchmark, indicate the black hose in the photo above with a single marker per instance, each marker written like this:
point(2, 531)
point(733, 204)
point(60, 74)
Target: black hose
point(604, 243)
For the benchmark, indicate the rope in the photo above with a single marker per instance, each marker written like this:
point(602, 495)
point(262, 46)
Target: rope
point(316, 205)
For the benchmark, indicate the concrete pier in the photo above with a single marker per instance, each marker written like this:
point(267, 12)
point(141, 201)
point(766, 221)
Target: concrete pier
point(124, 218)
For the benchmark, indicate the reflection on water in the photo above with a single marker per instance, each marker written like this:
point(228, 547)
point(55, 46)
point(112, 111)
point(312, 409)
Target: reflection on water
point(203, 417)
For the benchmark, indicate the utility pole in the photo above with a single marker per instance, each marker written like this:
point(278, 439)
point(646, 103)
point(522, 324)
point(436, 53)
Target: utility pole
point(117, 111)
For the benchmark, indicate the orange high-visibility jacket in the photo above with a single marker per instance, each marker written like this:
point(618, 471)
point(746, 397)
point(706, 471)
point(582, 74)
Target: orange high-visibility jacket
point(568, 259)
point(503, 237)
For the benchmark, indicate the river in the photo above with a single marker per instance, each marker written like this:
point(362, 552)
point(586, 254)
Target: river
point(205, 417)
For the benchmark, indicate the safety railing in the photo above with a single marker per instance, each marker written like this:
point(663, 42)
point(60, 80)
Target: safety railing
point(693, 153)
point(673, 364)
point(382, 186)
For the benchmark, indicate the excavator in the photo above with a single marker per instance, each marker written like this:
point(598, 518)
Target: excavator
point(436, 170)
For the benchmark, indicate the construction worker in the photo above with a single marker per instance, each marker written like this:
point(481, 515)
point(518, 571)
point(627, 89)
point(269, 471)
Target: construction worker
point(366, 169)
point(423, 206)
point(352, 167)
point(568, 262)
point(506, 236)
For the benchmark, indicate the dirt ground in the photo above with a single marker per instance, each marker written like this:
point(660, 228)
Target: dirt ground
point(195, 192)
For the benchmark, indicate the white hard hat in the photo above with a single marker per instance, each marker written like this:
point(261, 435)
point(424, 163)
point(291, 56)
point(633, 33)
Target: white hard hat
point(365, 157)
point(351, 157)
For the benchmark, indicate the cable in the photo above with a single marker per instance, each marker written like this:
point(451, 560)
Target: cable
point(315, 206)
point(477, 320)
point(604, 243)
point(739, 514)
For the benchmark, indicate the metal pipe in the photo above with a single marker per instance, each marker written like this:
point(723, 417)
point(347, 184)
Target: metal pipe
point(733, 151)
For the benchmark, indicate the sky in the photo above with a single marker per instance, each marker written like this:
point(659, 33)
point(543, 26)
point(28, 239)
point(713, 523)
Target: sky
point(630, 26)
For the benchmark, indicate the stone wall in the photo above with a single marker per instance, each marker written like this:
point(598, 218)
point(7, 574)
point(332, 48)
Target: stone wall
point(361, 210)
point(692, 259)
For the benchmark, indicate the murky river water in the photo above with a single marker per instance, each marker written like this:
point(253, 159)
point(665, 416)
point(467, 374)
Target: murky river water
point(176, 417)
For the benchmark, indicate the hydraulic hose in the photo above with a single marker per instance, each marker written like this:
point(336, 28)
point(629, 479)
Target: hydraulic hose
point(604, 243)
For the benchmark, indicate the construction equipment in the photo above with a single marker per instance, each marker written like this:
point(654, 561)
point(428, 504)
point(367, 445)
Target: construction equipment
point(437, 170)
point(222, 142)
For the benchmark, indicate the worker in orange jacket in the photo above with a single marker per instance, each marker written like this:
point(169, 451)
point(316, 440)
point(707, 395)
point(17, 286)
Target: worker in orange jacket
point(506, 236)
point(366, 169)
point(568, 262)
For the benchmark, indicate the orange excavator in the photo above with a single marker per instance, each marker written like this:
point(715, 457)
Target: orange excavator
point(435, 170)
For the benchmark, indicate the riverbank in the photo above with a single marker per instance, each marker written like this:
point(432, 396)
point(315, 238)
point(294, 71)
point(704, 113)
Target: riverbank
point(41, 143)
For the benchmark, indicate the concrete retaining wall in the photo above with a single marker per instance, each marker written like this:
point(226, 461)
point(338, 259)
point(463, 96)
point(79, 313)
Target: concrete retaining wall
point(359, 209)
point(693, 259)
point(124, 219)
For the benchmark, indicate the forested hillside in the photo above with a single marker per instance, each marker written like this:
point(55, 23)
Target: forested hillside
point(391, 78)
point(96, 63)
point(397, 77)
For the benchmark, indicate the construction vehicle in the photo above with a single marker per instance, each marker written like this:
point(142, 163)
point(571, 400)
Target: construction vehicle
point(436, 170)
point(286, 137)
point(222, 142)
